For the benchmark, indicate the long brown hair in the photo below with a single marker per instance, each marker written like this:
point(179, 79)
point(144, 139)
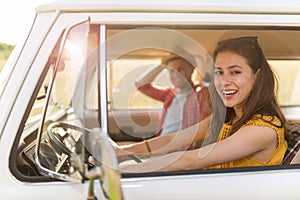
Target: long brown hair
point(262, 98)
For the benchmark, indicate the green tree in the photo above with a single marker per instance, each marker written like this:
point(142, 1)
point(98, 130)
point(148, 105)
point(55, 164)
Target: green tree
point(5, 51)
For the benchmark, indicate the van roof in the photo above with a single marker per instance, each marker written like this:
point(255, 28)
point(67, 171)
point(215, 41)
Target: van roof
point(191, 6)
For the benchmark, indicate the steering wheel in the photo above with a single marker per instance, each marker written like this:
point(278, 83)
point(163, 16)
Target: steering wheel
point(64, 136)
point(59, 132)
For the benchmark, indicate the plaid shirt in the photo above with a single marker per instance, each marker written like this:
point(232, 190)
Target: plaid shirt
point(196, 108)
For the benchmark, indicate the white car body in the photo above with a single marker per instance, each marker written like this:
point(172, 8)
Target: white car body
point(22, 72)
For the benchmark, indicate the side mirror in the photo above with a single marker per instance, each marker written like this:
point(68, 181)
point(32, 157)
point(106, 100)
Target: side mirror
point(106, 166)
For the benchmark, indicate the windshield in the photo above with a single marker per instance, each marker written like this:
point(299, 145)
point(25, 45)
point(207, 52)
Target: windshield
point(62, 132)
point(71, 145)
point(61, 105)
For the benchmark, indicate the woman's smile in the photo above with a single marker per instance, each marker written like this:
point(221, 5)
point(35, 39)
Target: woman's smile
point(229, 93)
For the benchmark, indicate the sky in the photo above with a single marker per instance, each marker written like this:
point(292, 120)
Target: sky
point(16, 17)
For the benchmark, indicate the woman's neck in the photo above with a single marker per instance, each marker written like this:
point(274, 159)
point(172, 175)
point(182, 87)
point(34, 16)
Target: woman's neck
point(238, 115)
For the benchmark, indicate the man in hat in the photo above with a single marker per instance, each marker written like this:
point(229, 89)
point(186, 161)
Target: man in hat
point(184, 104)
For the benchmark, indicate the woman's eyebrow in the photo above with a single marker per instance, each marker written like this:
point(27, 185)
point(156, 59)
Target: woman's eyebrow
point(230, 67)
point(234, 66)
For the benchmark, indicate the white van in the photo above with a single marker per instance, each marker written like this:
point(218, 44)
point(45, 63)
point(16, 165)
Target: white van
point(68, 90)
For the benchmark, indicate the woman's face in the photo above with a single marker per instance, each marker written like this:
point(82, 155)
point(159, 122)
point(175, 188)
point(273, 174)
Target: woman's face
point(234, 78)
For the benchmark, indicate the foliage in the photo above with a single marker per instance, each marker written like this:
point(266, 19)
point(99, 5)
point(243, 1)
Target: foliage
point(5, 51)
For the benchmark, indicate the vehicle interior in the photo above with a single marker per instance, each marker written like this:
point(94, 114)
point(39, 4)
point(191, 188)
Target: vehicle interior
point(65, 118)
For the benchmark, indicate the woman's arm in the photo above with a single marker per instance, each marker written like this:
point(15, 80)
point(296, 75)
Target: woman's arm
point(167, 143)
point(257, 142)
